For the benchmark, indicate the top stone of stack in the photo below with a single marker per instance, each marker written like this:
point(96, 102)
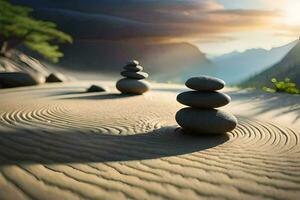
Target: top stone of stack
point(134, 71)
point(133, 66)
point(205, 83)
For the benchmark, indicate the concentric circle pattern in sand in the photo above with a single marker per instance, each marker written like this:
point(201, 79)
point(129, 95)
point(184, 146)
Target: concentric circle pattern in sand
point(62, 143)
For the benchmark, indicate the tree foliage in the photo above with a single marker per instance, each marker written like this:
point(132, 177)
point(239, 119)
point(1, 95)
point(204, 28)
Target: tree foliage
point(17, 27)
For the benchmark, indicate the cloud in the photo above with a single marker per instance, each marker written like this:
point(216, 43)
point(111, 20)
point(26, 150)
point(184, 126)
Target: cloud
point(288, 31)
point(150, 20)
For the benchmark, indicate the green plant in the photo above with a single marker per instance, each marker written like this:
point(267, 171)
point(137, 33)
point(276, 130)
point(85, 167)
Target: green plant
point(18, 27)
point(282, 86)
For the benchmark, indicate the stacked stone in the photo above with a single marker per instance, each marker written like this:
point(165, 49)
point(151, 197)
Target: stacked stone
point(201, 117)
point(133, 82)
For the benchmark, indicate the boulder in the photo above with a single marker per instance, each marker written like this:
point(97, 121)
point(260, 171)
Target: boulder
point(18, 79)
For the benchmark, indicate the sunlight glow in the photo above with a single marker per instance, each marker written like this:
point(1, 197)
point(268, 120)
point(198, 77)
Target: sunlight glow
point(291, 13)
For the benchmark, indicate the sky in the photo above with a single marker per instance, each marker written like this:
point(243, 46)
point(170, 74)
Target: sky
point(282, 25)
point(215, 26)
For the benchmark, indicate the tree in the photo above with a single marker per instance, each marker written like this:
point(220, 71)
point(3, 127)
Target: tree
point(18, 27)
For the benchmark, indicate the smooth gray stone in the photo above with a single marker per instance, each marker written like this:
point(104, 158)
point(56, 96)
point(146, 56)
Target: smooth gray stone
point(55, 78)
point(205, 121)
point(205, 83)
point(198, 99)
point(132, 63)
point(136, 68)
point(134, 75)
point(18, 79)
point(96, 88)
point(132, 86)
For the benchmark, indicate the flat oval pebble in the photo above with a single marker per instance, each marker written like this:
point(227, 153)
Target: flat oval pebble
point(205, 121)
point(198, 99)
point(132, 86)
point(134, 75)
point(136, 68)
point(205, 83)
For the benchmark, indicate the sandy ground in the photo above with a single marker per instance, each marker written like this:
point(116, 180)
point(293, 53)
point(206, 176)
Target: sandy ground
point(58, 142)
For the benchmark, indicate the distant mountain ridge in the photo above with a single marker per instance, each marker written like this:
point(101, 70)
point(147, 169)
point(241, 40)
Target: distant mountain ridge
point(98, 48)
point(233, 67)
point(288, 67)
point(236, 66)
point(109, 57)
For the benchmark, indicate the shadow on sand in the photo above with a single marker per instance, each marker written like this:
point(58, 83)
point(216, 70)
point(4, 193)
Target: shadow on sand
point(40, 146)
point(98, 96)
point(270, 101)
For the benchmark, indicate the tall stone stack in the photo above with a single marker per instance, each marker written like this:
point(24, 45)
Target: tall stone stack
point(133, 82)
point(202, 117)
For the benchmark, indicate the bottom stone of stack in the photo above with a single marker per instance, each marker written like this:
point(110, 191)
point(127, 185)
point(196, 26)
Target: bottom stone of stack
point(132, 86)
point(205, 121)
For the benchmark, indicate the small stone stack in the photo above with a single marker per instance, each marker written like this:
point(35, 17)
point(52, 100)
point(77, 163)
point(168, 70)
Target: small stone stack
point(133, 82)
point(201, 117)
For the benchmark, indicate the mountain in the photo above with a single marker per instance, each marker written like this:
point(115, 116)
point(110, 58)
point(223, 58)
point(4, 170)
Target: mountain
point(109, 57)
point(238, 66)
point(181, 75)
point(288, 67)
point(99, 45)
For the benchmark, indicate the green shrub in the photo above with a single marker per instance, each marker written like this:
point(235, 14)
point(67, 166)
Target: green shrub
point(285, 86)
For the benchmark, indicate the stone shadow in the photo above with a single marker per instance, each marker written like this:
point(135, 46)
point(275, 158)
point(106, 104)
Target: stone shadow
point(97, 96)
point(271, 101)
point(53, 147)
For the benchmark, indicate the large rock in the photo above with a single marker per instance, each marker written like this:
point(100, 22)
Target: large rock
point(203, 99)
point(132, 86)
point(205, 121)
point(205, 83)
point(17, 61)
point(18, 79)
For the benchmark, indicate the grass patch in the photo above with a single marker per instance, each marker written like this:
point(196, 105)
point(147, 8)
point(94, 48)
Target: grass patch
point(285, 86)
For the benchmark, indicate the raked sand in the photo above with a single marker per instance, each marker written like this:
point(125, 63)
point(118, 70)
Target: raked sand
point(58, 142)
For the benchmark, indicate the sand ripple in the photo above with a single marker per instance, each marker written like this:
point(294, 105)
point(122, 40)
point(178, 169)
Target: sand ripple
point(82, 146)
